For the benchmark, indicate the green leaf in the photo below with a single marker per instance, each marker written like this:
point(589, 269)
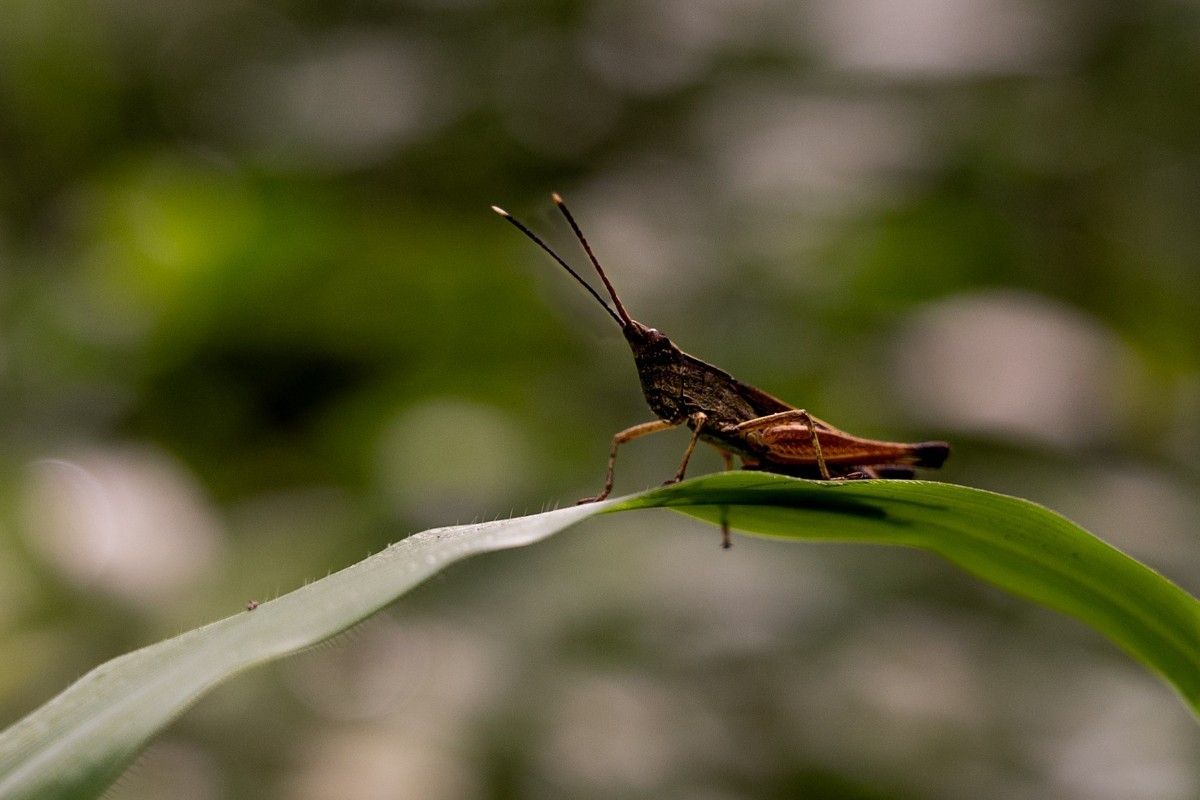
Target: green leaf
point(1015, 544)
point(79, 742)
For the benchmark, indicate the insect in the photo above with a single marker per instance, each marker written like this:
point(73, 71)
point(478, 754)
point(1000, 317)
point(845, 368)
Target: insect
point(737, 419)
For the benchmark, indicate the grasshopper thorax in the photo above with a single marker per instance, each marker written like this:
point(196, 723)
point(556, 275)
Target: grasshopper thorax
point(659, 363)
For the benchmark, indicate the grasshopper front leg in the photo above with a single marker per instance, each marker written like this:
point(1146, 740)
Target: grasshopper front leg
point(628, 435)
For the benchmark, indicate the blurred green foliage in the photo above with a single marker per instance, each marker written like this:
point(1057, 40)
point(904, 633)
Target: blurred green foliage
point(254, 307)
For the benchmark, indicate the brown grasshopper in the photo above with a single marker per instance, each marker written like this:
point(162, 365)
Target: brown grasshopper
point(734, 417)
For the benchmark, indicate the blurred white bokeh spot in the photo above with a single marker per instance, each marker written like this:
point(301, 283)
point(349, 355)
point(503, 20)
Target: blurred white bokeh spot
point(1150, 515)
point(1013, 364)
point(622, 732)
point(349, 103)
point(449, 459)
point(130, 521)
point(652, 47)
point(932, 38)
point(1122, 738)
point(912, 665)
point(773, 147)
point(647, 230)
point(745, 605)
point(175, 768)
point(366, 763)
point(425, 672)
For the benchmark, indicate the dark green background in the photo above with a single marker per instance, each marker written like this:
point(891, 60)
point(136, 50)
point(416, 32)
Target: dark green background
point(256, 321)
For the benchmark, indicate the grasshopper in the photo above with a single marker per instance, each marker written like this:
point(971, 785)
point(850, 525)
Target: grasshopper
point(737, 419)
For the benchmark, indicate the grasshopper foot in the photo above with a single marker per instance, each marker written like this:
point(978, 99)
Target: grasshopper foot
point(596, 499)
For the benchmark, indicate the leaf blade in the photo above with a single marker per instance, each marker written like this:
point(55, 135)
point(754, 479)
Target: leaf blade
point(1014, 544)
point(80, 741)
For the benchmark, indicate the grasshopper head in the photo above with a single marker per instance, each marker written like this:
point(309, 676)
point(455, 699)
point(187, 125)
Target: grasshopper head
point(638, 334)
point(647, 342)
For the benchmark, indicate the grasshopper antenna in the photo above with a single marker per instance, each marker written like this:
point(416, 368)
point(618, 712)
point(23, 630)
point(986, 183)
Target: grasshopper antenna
point(558, 201)
point(537, 240)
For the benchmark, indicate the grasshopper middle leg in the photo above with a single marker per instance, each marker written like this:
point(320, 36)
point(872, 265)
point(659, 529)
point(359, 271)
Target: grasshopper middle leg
point(698, 419)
